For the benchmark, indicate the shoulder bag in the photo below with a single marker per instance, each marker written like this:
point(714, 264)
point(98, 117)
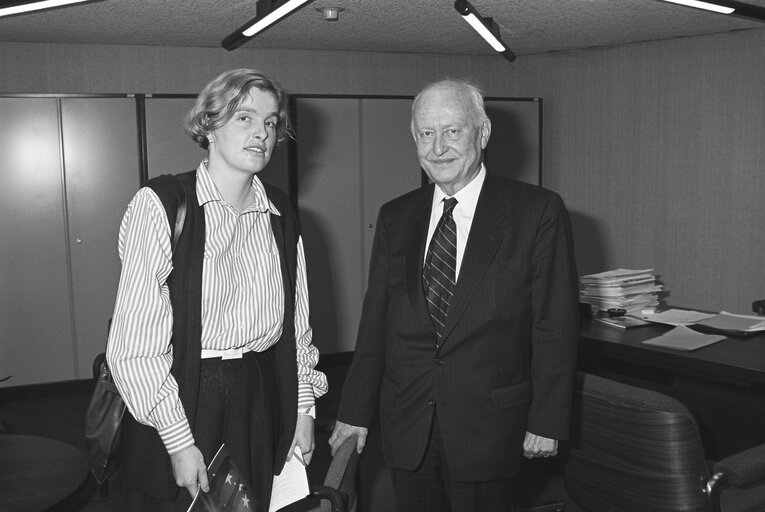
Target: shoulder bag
point(103, 417)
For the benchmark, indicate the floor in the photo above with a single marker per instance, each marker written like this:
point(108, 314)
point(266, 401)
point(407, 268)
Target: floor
point(58, 412)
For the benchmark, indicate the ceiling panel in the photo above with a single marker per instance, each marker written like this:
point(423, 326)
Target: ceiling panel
point(415, 26)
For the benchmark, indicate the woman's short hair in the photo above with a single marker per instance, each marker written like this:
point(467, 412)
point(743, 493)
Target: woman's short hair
point(218, 101)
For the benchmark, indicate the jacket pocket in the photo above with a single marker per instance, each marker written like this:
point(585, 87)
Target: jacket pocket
point(511, 396)
point(388, 392)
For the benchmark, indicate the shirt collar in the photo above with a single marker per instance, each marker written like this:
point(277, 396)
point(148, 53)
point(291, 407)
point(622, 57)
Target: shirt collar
point(207, 191)
point(467, 197)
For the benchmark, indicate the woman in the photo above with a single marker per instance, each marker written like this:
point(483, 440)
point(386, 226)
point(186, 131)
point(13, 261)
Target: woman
point(210, 341)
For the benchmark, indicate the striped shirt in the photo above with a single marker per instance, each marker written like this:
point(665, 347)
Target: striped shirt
point(242, 303)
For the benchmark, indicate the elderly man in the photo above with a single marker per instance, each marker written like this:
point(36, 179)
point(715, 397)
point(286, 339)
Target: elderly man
point(469, 329)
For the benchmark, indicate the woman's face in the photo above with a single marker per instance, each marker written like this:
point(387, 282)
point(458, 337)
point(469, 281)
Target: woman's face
point(245, 143)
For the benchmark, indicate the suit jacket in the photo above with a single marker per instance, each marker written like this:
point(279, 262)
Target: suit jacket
point(508, 357)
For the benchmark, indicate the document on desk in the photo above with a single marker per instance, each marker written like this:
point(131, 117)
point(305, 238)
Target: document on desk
point(677, 317)
point(684, 338)
point(732, 324)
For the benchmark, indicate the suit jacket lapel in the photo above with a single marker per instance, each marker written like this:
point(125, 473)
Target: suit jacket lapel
point(415, 251)
point(486, 235)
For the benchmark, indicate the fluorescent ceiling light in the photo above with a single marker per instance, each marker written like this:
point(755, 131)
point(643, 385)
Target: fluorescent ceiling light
point(704, 5)
point(479, 27)
point(486, 28)
point(273, 16)
point(268, 14)
point(36, 6)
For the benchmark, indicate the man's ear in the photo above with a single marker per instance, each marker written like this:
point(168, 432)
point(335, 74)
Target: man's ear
point(485, 132)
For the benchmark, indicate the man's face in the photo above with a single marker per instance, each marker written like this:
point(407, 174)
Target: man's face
point(246, 141)
point(449, 137)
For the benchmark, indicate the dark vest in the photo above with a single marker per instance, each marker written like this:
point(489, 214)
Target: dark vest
point(146, 464)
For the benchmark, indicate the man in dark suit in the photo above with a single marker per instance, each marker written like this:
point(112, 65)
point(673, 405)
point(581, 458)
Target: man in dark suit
point(470, 353)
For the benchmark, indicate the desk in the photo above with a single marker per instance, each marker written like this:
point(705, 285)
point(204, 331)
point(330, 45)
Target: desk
point(723, 384)
point(37, 473)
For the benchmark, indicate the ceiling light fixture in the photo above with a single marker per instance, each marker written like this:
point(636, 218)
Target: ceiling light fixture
point(275, 12)
point(703, 5)
point(486, 28)
point(11, 8)
point(331, 13)
point(731, 7)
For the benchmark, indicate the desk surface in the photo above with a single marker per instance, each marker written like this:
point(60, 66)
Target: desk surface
point(38, 472)
point(733, 360)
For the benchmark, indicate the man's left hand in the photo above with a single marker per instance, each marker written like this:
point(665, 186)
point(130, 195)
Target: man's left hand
point(303, 438)
point(535, 446)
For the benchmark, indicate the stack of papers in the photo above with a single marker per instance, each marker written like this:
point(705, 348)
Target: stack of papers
point(635, 291)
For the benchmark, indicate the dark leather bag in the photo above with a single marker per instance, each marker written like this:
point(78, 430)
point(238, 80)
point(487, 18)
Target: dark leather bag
point(102, 424)
point(103, 418)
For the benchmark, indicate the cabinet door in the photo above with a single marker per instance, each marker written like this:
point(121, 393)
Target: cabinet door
point(168, 149)
point(102, 175)
point(171, 151)
point(390, 164)
point(36, 343)
point(329, 184)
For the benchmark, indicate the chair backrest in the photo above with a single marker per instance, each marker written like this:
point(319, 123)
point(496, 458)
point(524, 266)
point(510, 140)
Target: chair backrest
point(633, 449)
point(342, 475)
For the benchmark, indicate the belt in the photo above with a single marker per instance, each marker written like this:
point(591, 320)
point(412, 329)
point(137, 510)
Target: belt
point(231, 353)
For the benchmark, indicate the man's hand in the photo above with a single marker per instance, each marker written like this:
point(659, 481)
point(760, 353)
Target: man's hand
point(189, 470)
point(303, 438)
point(537, 446)
point(343, 431)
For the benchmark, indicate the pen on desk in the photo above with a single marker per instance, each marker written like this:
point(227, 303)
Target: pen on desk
point(296, 453)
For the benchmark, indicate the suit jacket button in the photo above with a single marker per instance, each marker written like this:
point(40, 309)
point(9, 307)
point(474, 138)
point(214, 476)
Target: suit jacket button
point(440, 362)
point(431, 403)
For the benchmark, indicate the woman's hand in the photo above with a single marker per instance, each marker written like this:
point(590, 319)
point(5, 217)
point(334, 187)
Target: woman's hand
point(189, 470)
point(303, 438)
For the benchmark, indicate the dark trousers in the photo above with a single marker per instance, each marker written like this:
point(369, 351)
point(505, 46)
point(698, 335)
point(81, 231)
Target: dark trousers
point(431, 488)
point(238, 406)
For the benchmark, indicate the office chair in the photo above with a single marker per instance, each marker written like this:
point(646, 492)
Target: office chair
point(637, 450)
point(338, 492)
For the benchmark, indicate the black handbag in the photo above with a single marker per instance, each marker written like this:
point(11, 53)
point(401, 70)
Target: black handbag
point(102, 424)
point(103, 418)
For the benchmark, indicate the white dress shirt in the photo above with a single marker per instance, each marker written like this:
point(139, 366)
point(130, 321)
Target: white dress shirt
point(463, 213)
point(242, 302)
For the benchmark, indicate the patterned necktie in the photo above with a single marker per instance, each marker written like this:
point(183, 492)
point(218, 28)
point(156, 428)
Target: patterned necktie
point(439, 273)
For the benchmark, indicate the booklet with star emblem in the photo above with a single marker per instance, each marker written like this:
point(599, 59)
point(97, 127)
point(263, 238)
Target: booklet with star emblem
point(228, 488)
point(230, 491)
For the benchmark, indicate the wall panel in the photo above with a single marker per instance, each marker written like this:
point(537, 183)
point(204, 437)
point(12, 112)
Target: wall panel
point(390, 165)
point(329, 181)
point(36, 342)
point(168, 149)
point(101, 166)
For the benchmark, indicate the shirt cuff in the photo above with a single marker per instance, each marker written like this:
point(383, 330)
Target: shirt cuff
point(310, 411)
point(177, 437)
